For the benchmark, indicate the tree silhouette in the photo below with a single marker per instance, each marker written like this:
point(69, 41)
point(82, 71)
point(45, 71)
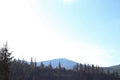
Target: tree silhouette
point(42, 66)
point(59, 66)
point(5, 61)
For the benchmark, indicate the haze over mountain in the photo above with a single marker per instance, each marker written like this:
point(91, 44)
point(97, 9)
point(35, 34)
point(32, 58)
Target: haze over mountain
point(22, 70)
point(68, 64)
point(115, 68)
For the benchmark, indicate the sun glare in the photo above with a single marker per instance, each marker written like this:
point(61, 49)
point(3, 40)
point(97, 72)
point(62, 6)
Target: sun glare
point(67, 1)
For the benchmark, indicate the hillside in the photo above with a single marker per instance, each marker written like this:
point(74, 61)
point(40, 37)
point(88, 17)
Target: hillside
point(21, 70)
point(68, 64)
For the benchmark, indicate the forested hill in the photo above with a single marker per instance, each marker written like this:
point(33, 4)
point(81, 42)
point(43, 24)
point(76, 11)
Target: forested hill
point(21, 70)
point(66, 63)
point(116, 67)
point(113, 68)
point(69, 64)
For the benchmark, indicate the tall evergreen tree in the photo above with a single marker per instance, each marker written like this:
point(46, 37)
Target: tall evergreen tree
point(93, 68)
point(76, 67)
point(5, 61)
point(50, 66)
point(59, 66)
point(42, 66)
point(33, 64)
point(81, 67)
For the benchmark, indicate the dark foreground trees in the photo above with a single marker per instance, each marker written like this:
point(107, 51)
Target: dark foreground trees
point(5, 61)
point(24, 71)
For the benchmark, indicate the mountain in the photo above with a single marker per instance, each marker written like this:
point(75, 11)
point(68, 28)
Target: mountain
point(115, 68)
point(21, 70)
point(68, 64)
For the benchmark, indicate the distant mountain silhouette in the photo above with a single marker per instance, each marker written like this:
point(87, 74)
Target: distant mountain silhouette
point(115, 68)
point(68, 64)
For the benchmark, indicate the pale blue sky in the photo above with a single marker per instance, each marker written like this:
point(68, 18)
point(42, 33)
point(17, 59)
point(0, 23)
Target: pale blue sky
point(95, 22)
point(86, 31)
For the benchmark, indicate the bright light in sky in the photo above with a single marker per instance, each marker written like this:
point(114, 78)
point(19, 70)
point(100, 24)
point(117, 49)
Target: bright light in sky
point(67, 1)
point(31, 31)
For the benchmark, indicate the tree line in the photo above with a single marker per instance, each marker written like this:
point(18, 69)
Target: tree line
point(12, 69)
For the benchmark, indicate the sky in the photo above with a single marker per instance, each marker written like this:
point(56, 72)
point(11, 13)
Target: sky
point(85, 31)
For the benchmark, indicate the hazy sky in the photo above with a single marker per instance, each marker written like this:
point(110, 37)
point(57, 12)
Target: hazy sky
point(86, 31)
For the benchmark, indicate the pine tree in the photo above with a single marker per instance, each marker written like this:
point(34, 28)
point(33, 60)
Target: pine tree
point(42, 66)
point(59, 66)
point(93, 68)
point(32, 63)
point(50, 66)
point(76, 67)
point(5, 61)
point(35, 63)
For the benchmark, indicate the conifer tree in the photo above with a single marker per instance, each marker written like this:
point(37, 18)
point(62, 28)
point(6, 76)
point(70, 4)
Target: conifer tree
point(76, 67)
point(32, 63)
point(5, 61)
point(35, 63)
point(50, 66)
point(59, 66)
point(42, 66)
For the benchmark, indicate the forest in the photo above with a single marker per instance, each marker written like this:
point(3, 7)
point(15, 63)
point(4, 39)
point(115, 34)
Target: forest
point(13, 69)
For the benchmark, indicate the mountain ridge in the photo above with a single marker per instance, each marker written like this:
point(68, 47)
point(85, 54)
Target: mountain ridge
point(69, 64)
point(66, 63)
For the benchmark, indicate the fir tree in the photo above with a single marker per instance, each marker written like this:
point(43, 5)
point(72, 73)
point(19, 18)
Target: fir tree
point(5, 61)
